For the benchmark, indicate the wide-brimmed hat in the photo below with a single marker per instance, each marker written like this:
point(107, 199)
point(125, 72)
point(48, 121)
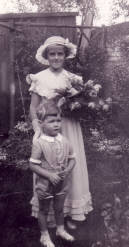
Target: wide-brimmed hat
point(55, 40)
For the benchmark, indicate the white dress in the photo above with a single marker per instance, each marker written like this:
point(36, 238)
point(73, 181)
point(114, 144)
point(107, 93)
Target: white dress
point(78, 201)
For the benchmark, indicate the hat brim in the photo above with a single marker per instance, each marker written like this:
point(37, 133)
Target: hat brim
point(40, 55)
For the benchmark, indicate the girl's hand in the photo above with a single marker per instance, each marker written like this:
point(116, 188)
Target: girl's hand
point(61, 102)
point(54, 178)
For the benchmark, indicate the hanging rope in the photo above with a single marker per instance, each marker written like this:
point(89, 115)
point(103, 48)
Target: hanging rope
point(82, 27)
point(21, 94)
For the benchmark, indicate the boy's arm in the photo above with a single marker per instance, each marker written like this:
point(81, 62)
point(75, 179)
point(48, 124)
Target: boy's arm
point(39, 170)
point(35, 159)
point(66, 172)
point(71, 159)
point(71, 163)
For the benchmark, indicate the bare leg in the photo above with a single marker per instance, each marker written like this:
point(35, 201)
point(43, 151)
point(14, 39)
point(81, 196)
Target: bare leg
point(42, 219)
point(59, 215)
point(58, 208)
point(43, 213)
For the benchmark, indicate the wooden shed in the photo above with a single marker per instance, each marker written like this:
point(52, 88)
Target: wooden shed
point(17, 33)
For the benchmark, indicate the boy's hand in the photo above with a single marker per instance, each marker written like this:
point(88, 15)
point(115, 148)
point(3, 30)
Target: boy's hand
point(64, 173)
point(54, 178)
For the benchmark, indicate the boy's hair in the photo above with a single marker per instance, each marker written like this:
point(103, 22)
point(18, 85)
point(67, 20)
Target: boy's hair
point(49, 108)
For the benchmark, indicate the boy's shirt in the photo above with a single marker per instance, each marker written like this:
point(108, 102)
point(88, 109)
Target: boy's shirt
point(52, 153)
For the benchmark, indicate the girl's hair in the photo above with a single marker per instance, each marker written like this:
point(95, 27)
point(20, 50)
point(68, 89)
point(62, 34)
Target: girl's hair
point(46, 109)
point(66, 51)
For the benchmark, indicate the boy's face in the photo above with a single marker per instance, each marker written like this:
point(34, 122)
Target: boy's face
point(56, 56)
point(51, 125)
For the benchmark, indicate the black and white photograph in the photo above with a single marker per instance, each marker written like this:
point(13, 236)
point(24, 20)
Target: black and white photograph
point(64, 123)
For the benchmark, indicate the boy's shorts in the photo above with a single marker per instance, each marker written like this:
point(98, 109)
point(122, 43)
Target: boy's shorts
point(46, 190)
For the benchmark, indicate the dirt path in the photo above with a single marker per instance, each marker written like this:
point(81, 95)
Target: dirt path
point(18, 228)
point(24, 232)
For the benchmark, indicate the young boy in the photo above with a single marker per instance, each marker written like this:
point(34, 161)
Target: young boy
point(52, 159)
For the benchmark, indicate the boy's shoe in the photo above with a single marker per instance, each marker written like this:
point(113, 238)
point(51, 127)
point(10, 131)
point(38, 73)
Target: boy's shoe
point(65, 235)
point(46, 241)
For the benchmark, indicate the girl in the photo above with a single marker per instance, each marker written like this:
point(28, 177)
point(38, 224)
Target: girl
point(44, 84)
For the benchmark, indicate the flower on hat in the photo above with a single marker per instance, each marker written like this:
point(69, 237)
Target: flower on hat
point(67, 41)
point(55, 40)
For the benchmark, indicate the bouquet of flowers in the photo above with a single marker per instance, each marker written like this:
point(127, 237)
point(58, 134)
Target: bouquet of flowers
point(84, 97)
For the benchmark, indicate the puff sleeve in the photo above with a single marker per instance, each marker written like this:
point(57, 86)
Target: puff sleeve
point(32, 80)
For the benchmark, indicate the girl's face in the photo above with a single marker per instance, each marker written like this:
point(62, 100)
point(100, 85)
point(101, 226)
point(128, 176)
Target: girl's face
point(56, 56)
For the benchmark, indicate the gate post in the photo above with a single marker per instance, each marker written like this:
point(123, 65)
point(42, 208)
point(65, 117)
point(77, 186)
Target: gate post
point(4, 82)
point(12, 79)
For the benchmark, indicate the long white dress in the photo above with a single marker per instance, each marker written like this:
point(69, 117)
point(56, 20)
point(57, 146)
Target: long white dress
point(78, 202)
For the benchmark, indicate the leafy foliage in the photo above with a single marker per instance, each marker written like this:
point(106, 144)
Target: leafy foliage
point(17, 148)
point(120, 8)
point(54, 6)
point(116, 222)
point(110, 141)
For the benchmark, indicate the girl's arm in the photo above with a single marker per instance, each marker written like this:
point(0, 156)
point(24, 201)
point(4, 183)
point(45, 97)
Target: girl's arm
point(35, 101)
